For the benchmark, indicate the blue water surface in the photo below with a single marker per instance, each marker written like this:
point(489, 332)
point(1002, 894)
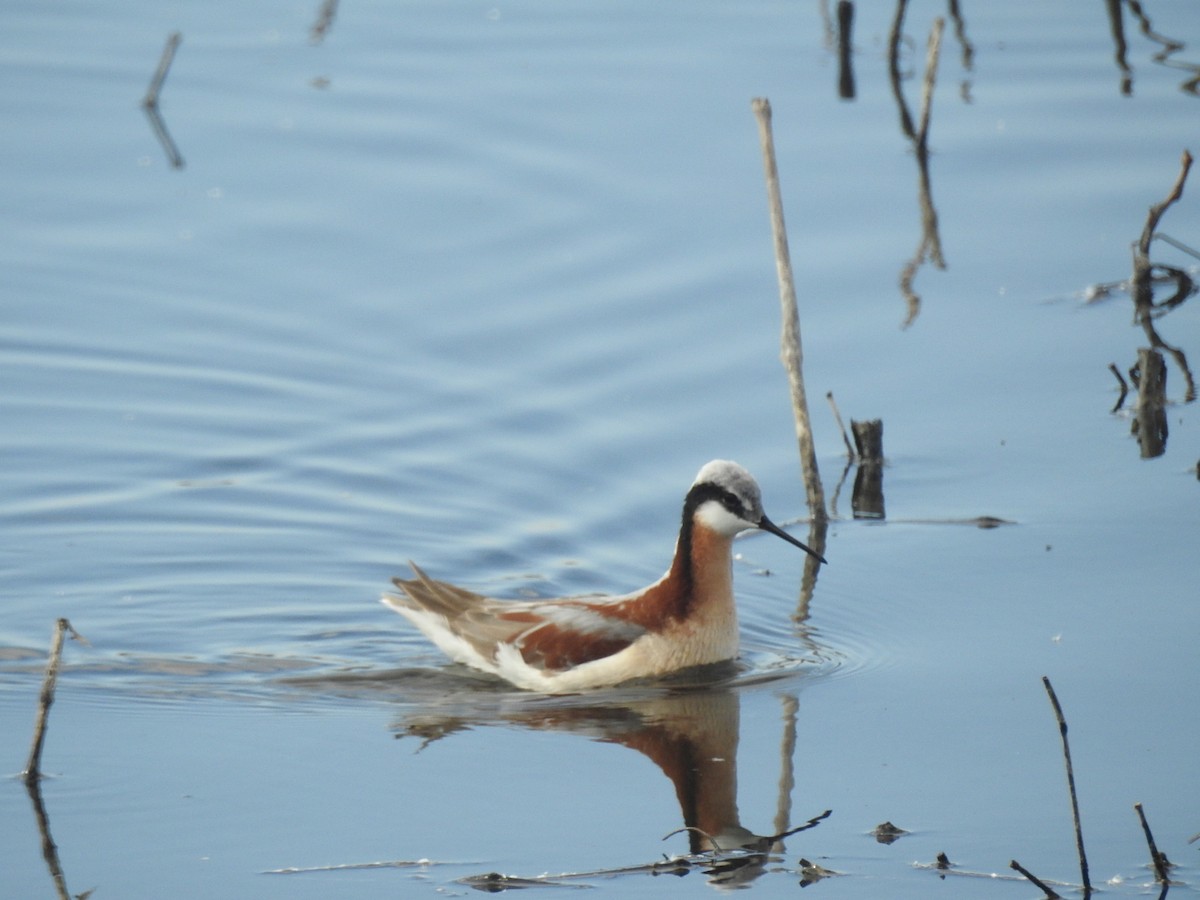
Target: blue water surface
point(483, 286)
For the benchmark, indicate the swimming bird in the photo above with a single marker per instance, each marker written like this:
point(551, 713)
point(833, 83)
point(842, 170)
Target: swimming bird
point(687, 618)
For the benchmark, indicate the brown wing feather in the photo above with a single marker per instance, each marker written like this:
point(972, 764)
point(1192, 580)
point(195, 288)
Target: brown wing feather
point(550, 646)
point(439, 597)
point(549, 635)
point(471, 616)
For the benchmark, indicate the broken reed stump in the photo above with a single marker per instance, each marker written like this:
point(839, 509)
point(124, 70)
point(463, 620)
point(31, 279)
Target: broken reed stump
point(867, 499)
point(791, 352)
point(1149, 425)
point(868, 440)
point(1158, 858)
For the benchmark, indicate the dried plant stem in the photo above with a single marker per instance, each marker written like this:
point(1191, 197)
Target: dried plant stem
point(33, 768)
point(1062, 730)
point(791, 352)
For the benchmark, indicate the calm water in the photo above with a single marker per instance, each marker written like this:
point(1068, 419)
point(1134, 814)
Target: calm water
point(483, 286)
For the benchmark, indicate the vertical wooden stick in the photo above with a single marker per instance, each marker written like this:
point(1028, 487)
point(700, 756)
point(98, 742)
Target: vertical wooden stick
point(790, 352)
point(1062, 729)
point(33, 769)
point(1159, 859)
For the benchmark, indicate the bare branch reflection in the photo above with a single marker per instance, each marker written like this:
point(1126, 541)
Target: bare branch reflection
point(159, 127)
point(1149, 374)
point(967, 49)
point(930, 246)
point(49, 848)
point(1150, 422)
point(325, 16)
point(818, 533)
point(845, 45)
point(1169, 47)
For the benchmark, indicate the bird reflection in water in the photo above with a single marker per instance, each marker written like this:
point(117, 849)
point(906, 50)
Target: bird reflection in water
point(691, 735)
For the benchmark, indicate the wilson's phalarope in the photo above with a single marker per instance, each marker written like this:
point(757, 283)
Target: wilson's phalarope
point(686, 618)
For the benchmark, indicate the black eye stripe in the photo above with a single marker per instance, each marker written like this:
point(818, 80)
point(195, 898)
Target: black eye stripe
point(732, 503)
point(701, 493)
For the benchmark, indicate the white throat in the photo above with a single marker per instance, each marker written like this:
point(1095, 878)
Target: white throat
point(715, 517)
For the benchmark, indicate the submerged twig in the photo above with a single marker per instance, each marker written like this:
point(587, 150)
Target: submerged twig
point(1161, 864)
point(150, 101)
point(1178, 245)
point(791, 352)
point(341, 867)
point(33, 768)
point(1038, 883)
point(159, 127)
point(1062, 729)
point(160, 74)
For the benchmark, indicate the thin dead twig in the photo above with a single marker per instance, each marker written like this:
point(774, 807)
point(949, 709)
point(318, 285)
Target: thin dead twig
point(1037, 882)
point(1157, 210)
point(1062, 729)
point(164, 66)
point(33, 768)
point(841, 427)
